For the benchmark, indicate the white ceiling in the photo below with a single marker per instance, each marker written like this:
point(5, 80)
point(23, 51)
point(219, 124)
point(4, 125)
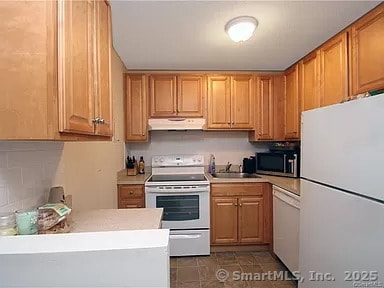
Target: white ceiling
point(189, 35)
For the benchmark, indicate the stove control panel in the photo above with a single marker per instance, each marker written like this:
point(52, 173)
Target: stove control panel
point(177, 160)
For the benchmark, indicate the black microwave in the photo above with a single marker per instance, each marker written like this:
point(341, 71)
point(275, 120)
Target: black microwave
point(281, 163)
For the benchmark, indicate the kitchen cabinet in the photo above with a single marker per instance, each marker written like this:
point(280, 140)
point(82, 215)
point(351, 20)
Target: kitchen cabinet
point(292, 104)
point(309, 75)
point(176, 95)
point(84, 67)
point(55, 70)
point(366, 47)
point(334, 70)
point(230, 102)
point(136, 109)
point(131, 196)
point(240, 213)
point(269, 108)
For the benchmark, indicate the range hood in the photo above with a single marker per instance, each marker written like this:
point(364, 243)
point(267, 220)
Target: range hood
point(176, 124)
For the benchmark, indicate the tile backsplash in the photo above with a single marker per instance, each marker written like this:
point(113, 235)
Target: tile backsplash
point(27, 171)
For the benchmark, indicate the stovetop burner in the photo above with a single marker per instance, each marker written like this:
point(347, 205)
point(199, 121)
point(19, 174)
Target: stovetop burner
point(177, 177)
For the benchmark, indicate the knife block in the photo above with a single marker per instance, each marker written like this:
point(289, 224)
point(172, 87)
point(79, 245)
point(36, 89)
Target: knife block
point(132, 171)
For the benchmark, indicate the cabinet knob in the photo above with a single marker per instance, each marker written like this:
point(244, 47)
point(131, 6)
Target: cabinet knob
point(101, 121)
point(95, 120)
point(240, 205)
point(233, 122)
point(131, 192)
point(235, 204)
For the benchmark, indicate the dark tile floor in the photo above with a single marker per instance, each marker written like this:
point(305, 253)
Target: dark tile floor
point(204, 271)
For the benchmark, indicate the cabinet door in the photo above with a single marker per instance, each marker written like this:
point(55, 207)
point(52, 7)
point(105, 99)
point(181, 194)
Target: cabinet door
point(219, 102)
point(103, 107)
point(367, 41)
point(292, 110)
point(251, 219)
point(242, 99)
point(190, 95)
point(76, 66)
point(264, 95)
point(162, 95)
point(310, 82)
point(334, 73)
point(223, 220)
point(136, 119)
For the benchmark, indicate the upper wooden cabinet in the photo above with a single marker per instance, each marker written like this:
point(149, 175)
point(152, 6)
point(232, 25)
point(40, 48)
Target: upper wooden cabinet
point(55, 68)
point(269, 108)
point(292, 104)
point(309, 69)
point(84, 43)
point(136, 115)
point(334, 70)
point(230, 102)
point(176, 95)
point(366, 43)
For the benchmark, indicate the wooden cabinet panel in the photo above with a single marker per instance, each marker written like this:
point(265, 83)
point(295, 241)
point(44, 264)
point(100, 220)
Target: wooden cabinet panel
point(265, 103)
point(292, 105)
point(103, 108)
point(131, 203)
point(224, 220)
point(241, 213)
point(130, 196)
point(333, 70)
point(242, 97)
point(219, 102)
point(136, 118)
point(367, 61)
point(310, 81)
point(230, 102)
point(162, 95)
point(234, 189)
point(190, 95)
point(251, 219)
point(76, 66)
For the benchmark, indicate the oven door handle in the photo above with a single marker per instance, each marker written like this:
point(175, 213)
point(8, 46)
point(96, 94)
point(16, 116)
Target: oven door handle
point(185, 236)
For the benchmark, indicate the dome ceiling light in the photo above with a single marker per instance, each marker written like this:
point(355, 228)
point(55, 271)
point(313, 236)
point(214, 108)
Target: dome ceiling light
point(241, 28)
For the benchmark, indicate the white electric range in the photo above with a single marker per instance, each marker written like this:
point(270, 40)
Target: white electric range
point(178, 185)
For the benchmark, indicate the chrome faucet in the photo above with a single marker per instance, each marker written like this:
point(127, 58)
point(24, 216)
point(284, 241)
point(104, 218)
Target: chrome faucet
point(227, 167)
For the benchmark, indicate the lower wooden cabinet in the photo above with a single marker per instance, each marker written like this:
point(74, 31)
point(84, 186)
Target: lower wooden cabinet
point(241, 213)
point(130, 196)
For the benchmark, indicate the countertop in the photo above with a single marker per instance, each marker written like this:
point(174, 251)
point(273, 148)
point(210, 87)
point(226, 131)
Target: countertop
point(290, 184)
point(116, 219)
point(123, 178)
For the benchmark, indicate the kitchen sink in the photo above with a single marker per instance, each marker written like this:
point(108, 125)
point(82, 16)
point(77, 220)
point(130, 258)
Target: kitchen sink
point(234, 175)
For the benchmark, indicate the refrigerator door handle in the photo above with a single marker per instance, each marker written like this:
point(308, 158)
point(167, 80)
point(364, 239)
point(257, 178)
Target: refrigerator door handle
point(285, 163)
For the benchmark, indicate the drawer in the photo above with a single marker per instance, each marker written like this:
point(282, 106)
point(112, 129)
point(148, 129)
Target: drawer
point(132, 203)
point(237, 189)
point(131, 191)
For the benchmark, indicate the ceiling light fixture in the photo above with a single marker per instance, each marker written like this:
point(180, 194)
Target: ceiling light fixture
point(241, 28)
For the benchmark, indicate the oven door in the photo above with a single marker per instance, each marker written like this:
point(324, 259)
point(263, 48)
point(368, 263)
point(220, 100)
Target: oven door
point(182, 209)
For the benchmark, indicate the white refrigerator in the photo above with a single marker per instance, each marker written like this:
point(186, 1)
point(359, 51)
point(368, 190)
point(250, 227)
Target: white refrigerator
point(342, 195)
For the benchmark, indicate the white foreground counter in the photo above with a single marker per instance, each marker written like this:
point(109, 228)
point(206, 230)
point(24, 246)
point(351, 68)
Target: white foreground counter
point(137, 258)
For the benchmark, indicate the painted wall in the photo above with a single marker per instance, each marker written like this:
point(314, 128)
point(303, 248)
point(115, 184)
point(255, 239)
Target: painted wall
point(27, 171)
point(230, 146)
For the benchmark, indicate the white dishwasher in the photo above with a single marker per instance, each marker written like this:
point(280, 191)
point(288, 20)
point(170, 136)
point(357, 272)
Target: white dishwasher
point(286, 222)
